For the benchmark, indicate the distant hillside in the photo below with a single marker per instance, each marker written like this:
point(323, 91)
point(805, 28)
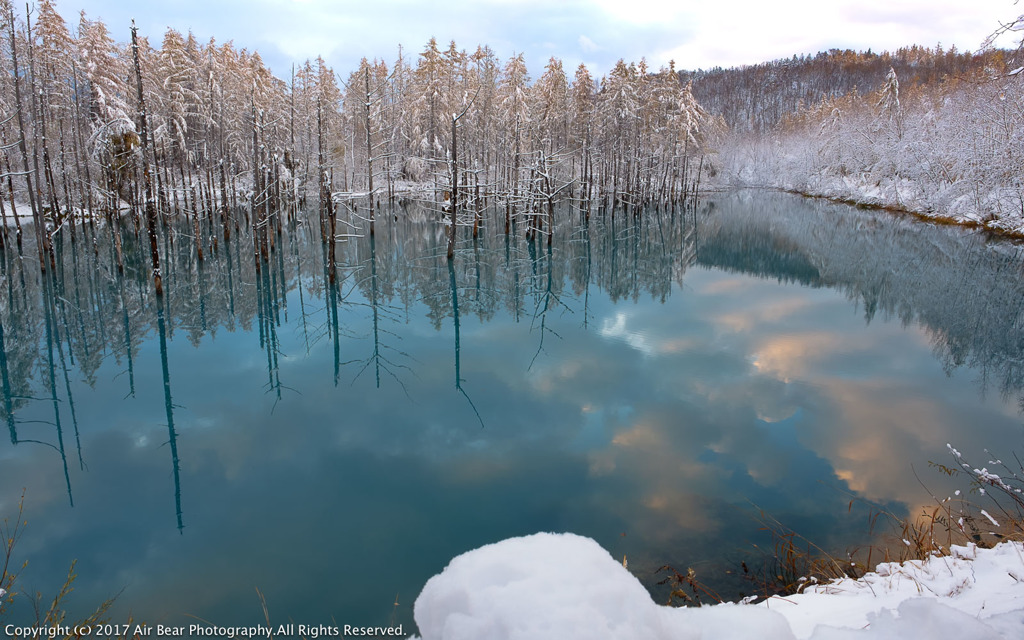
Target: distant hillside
point(755, 98)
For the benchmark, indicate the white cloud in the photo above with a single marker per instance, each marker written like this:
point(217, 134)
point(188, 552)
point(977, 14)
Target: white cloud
point(588, 45)
point(754, 31)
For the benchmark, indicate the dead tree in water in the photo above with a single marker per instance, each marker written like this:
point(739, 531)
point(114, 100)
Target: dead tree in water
point(148, 181)
point(254, 204)
point(454, 188)
point(328, 221)
point(369, 144)
point(542, 194)
point(454, 178)
point(42, 238)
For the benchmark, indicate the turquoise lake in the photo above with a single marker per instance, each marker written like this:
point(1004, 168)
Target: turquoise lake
point(652, 382)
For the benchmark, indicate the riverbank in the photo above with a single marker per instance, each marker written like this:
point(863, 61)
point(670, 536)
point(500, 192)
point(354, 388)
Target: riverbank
point(1006, 226)
point(894, 196)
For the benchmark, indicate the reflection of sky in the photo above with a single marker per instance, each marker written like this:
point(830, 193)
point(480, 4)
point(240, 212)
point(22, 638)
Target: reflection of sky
point(654, 431)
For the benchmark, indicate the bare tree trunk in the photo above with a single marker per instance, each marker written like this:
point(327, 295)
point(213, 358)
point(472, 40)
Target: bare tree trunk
point(84, 186)
point(327, 219)
point(454, 187)
point(369, 145)
point(257, 225)
point(224, 203)
point(10, 189)
point(64, 178)
point(150, 205)
point(42, 238)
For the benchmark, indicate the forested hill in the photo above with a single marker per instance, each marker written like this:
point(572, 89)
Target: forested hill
point(756, 98)
point(934, 132)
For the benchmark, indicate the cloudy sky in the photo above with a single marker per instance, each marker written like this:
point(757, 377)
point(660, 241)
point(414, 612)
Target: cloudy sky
point(696, 34)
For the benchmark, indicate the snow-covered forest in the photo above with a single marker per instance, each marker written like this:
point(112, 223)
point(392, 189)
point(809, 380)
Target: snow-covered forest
point(87, 120)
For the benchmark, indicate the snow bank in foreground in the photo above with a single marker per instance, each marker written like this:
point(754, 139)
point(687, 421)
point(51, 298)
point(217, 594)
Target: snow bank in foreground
point(562, 586)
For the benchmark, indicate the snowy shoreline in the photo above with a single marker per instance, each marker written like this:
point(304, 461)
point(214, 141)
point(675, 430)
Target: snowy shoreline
point(1008, 227)
point(567, 586)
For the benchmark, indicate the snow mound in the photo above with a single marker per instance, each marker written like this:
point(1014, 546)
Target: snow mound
point(562, 586)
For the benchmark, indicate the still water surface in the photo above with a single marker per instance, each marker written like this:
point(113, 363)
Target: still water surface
point(650, 383)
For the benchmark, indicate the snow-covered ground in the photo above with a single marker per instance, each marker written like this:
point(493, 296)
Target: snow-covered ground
point(933, 176)
point(562, 586)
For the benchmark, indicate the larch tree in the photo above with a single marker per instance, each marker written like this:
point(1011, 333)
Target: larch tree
point(54, 56)
point(514, 119)
point(618, 116)
point(581, 115)
point(176, 101)
point(103, 69)
point(365, 105)
point(550, 104)
point(431, 102)
point(483, 83)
